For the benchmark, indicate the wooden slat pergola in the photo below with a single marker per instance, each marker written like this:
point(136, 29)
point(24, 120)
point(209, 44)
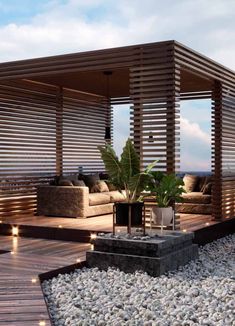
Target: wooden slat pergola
point(54, 111)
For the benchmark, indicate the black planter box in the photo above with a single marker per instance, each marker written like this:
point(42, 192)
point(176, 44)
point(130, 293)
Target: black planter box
point(122, 213)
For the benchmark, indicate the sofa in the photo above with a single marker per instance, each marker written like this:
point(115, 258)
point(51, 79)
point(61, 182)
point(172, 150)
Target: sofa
point(197, 199)
point(70, 197)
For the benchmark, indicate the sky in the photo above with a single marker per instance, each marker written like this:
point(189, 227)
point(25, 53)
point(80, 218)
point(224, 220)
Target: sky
point(36, 28)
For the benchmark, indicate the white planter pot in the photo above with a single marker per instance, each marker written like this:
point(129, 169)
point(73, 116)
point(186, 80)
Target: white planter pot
point(162, 215)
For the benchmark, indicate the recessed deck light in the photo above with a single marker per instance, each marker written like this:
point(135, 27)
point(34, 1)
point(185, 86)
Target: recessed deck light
point(93, 236)
point(42, 323)
point(15, 231)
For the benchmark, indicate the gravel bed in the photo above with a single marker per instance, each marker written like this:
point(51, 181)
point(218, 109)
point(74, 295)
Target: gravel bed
point(201, 293)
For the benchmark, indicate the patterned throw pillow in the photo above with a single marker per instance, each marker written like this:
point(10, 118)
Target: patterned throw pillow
point(100, 186)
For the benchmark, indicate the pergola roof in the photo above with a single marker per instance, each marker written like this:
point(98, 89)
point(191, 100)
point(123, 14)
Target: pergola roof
point(84, 71)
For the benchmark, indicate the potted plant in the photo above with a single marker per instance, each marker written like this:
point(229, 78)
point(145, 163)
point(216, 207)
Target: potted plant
point(167, 189)
point(125, 174)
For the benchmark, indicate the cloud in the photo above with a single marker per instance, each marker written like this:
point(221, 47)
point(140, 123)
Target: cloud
point(77, 25)
point(63, 26)
point(195, 147)
point(192, 130)
point(121, 124)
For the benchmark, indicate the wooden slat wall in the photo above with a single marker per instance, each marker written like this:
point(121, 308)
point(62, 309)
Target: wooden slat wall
point(228, 151)
point(27, 144)
point(223, 133)
point(45, 131)
point(154, 89)
point(223, 127)
point(155, 92)
point(84, 122)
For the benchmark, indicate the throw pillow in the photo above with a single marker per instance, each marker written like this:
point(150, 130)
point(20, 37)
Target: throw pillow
point(207, 180)
point(190, 182)
point(65, 182)
point(207, 189)
point(110, 186)
point(200, 184)
point(90, 179)
point(104, 176)
point(100, 186)
point(79, 183)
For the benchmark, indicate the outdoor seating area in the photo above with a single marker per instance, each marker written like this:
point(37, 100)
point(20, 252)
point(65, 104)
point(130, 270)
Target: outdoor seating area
point(56, 111)
point(61, 181)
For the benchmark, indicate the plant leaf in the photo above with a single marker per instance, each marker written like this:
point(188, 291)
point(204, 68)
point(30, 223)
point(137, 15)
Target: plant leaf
point(130, 163)
point(112, 164)
point(138, 183)
point(151, 166)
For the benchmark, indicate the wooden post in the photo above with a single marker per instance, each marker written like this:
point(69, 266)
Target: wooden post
point(217, 151)
point(59, 131)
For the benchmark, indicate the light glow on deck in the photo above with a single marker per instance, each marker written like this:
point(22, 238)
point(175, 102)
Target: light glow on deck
point(15, 231)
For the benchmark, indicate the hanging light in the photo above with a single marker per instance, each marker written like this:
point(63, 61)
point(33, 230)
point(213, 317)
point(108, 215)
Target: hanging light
point(107, 135)
point(150, 139)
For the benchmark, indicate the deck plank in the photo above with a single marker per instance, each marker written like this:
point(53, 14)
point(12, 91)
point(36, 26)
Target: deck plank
point(21, 301)
point(101, 223)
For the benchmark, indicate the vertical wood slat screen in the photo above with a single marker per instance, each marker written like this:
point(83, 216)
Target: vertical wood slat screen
point(223, 133)
point(155, 91)
point(155, 114)
point(223, 127)
point(228, 152)
point(27, 144)
point(84, 124)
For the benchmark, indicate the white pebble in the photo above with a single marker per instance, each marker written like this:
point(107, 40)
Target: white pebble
point(200, 293)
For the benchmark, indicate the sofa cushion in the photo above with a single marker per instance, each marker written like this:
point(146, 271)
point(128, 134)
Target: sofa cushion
point(196, 198)
point(98, 199)
point(190, 182)
point(190, 208)
point(116, 196)
point(100, 186)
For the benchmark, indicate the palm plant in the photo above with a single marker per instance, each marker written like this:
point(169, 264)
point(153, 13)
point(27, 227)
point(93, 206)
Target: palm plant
point(167, 188)
point(124, 173)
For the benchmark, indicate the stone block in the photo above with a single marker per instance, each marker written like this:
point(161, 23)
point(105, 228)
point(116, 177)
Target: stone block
point(156, 255)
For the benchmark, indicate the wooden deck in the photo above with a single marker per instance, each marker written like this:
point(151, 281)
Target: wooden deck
point(103, 223)
point(23, 259)
point(21, 301)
